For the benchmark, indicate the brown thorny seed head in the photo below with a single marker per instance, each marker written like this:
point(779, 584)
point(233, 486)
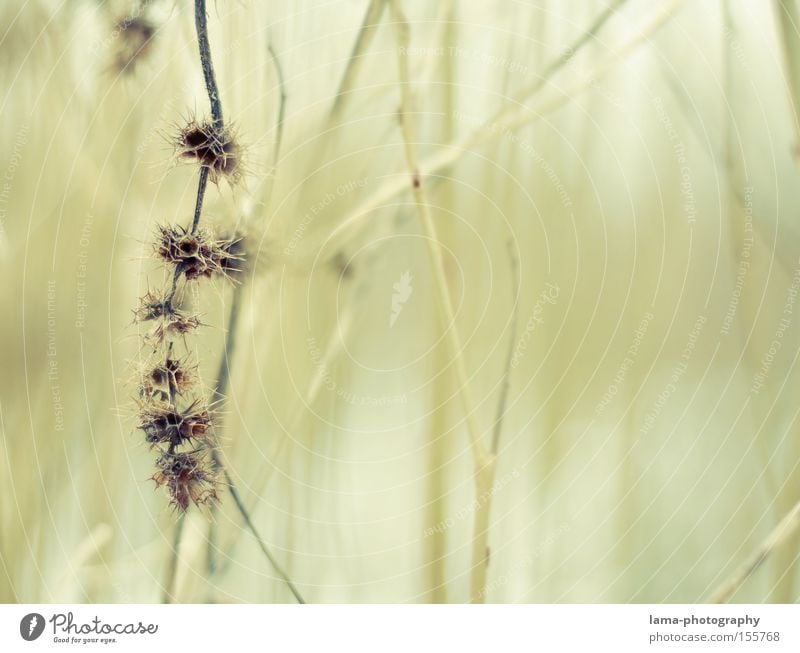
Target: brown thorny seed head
point(169, 321)
point(164, 424)
point(165, 379)
point(233, 261)
point(198, 254)
point(187, 477)
point(134, 40)
point(211, 147)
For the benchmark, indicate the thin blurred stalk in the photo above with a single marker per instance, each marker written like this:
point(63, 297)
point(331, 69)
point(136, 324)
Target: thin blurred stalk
point(224, 371)
point(787, 559)
point(220, 393)
point(483, 461)
point(786, 564)
point(789, 38)
point(442, 70)
point(513, 115)
point(505, 383)
point(172, 565)
point(366, 34)
point(333, 347)
point(264, 549)
point(784, 532)
point(223, 377)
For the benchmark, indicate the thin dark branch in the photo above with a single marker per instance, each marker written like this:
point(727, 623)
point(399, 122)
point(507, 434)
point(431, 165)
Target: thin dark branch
point(366, 33)
point(251, 526)
point(501, 404)
point(281, 103)
point(202, 182)
point(174, 288)
point(223, 380)
point(205, 61)
point(223, 374)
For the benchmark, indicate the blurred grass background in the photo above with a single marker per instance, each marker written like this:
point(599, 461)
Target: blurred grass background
point(631, 210)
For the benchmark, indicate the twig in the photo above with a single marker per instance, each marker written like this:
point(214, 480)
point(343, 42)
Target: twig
point(251, 526)
point(276, 62)
point(786, 12)
point(266, 191)
point(483, 461)
point(366, 33)
point(220, 391)
point(172, 569)
point(202, 182)
point(223, 373)
point(787, 527)
point(515, 115)
point(205, 62)
point(501, 404)
point(223, 380)
point(333, 347)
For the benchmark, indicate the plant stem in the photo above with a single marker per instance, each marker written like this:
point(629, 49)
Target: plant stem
point(251, 526)
point(366, 33)
point(202, 182)
point(501, 404)
point(172, 569)
point(223, 379)
point(784, 531)
point(224, 372)
point(514, 115)
point(786, 12)
point(483, 461)
point(333, 347)
point(205, 62)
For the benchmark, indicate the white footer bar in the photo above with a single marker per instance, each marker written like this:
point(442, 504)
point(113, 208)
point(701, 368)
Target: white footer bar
point(403, 628)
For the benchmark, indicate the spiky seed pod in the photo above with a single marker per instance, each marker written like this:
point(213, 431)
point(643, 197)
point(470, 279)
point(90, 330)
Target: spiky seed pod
point(135, 40)
point(169, 321)
point(174, 325)
point(233, 257)
point(198, 254)
point(166, 378)
point(164, 424)
point(211, 147)
point(151, 307)
point(187, 477)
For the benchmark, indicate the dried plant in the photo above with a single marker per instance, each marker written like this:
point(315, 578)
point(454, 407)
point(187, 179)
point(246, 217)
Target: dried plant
point(174, 412)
